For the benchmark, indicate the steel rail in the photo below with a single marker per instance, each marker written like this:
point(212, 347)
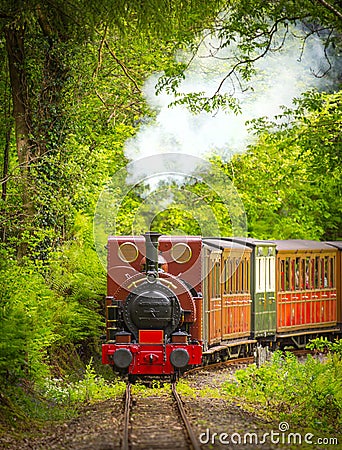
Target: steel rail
point(193, 439)
point(125, 443)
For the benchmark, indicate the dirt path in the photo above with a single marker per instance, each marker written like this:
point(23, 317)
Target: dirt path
point(97, 428)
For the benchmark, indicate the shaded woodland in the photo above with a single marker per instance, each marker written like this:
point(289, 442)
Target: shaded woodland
point(72, 80)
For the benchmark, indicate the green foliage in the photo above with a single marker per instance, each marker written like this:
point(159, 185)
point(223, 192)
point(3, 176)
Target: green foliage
point(52, 399)
point(252, 30)
point(198, 102)
point(157, 388)
point(183, 388)
point(306, 393)
point(90, 388)
point(35, 320)
point(323, 345)
point(290, 180)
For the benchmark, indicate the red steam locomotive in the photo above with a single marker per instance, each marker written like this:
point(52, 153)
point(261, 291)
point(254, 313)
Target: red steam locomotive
point(178, 301)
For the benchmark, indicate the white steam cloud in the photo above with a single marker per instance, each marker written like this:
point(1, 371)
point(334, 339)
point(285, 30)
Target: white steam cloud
point(280, 76)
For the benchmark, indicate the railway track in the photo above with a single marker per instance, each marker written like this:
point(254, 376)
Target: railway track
point(156, 422)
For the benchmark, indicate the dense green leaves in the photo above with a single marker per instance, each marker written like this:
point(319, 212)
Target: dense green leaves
point(35, 320)
point(290, 180)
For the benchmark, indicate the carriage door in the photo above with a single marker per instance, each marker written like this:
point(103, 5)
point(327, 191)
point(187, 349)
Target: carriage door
point(265, 300)
point(215, 303)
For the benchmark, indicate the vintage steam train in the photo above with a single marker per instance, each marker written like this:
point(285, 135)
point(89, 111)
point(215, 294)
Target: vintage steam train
point(179, 301)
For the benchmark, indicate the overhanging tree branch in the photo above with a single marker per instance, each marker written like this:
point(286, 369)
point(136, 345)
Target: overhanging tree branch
point(331, 8)
point(123, 67)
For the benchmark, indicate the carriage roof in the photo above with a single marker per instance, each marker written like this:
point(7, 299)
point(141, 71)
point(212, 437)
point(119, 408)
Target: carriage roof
point(225, 244)
point(302, 245)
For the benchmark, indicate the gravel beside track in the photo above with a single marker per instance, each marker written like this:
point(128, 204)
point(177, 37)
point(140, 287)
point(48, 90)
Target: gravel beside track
point(96, 428)
point(216, 415)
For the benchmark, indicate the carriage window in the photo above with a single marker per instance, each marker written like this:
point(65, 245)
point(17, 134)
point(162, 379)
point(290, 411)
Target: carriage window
point(217, 289)
point(323, 274)
point(292, 274)
point(296, 273)
point(225, 274)
point(303, 274)
point(233, 276)
point(237, 275)
point(326, 272)
point(215, 280)
point(331, 281)
point(271, 274)
point(282, 275)
point(269, 271)
point(230, 276)
point(260, 274)
point(308, 273)
point(316, 272)
point(247, 276)
point(287, 274)
point(242, 276)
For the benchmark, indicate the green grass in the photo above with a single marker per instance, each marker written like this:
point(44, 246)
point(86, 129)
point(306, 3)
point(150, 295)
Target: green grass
point(306, 394)
point(25, 404)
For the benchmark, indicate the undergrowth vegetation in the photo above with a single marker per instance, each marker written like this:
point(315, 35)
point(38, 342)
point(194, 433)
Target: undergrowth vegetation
point(306, 394)
point(51, 318)
point(54, 398)
point(91, 387)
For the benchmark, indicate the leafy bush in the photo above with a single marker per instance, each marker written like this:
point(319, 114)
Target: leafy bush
point(35, 321)
point(91, 388)
point(286, 389)
point(323, 345)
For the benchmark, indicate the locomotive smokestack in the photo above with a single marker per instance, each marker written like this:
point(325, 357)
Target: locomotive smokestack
point(151, 239)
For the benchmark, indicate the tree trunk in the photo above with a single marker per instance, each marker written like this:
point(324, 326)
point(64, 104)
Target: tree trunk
point(22, 120)
point(4, 177)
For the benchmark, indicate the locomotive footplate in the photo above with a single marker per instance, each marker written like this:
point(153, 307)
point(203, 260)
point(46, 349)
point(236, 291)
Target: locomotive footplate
point(151, 359)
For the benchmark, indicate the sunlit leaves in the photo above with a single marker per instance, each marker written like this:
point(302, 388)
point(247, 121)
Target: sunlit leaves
point(290, 180)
